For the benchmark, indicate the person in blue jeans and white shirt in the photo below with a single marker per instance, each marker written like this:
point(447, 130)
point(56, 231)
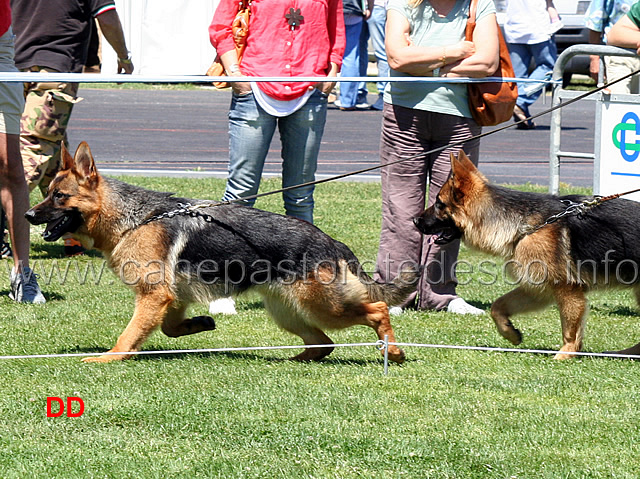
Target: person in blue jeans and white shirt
point(529, 33)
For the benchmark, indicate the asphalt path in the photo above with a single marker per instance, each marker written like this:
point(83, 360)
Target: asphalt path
point(184, 133)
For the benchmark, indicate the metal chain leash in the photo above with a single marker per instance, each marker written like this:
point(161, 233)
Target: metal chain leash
point(185, 209)
point(579, 209)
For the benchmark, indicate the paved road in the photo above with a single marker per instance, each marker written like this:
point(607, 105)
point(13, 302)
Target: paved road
point(185, 132)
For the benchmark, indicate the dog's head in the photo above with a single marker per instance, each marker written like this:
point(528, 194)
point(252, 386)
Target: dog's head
point(448, 216)
point(72, 196)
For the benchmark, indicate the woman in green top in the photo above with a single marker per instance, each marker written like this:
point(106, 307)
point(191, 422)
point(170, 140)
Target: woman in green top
point(426, 38)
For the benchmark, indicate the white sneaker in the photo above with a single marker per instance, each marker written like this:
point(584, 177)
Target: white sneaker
point(25, 288)
point(395, 311)
point(460, 306)
point(222, 306)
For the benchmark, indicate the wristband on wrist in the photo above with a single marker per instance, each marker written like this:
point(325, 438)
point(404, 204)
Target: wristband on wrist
point(235, 68)
point(125, 60)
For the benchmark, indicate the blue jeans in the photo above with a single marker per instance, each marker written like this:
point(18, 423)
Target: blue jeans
point(364, 63)
point(251, 130)
point(351, 65)
point(544, 55)
point(376, 24)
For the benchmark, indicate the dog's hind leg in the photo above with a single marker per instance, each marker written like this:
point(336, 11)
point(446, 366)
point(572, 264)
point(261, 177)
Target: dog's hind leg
point(290, 320)
point(573, 311)
point(520, 300)
point(176, 325)
point(150, 311)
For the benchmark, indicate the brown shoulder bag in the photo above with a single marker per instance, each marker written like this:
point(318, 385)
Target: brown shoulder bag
point(492, 103)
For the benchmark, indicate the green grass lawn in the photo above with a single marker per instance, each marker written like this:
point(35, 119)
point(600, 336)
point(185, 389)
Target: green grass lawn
point(443, 414)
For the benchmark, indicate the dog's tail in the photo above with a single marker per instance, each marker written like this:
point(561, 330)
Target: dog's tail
point(395, 292)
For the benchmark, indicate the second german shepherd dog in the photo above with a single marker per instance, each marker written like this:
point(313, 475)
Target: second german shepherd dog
point(309, 281)
point(555, 262)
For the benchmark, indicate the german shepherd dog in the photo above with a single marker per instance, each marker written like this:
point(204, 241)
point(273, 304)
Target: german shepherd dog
point(309, 282)
point(556, 262)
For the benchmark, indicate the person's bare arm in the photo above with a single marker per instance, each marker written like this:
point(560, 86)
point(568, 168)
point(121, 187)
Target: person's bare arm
point(232, 68)
point(112, 30)
point(486, 58)
point(406, 57)
point(595, 38)
point(625, 34)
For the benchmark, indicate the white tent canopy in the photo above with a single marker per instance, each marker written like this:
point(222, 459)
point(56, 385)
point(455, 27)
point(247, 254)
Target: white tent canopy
point(165, 37)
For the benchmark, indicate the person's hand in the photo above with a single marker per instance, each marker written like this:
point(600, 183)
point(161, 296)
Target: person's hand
point(325, 87)
point(594, 67)
point(125, 65)
point(461, 50)
point(240, 87)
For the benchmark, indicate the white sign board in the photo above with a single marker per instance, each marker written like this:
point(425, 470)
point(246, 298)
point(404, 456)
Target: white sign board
point(619, 155)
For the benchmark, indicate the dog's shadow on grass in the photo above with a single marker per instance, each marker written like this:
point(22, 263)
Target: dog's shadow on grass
point(56, 251)
point(616, 311)
point(225, 354)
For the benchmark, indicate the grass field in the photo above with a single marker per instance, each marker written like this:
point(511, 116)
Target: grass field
point(443, 414)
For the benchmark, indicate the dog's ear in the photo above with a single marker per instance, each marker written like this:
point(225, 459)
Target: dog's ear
point(84, 164)
point(462, 170)
point(461, 164)
point(67, 159)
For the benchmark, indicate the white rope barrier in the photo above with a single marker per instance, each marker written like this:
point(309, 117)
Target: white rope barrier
point(379, 344)
point(516, 350)
point(382, 345)
point(103, 78)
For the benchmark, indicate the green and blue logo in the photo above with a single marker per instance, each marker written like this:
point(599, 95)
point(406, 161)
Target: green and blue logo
point(629, 147)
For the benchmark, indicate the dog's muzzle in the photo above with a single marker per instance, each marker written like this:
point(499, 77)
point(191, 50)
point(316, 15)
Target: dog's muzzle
point(58, 223)
point(446, 230)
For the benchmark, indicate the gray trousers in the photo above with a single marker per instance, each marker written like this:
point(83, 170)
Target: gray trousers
point(407, 132)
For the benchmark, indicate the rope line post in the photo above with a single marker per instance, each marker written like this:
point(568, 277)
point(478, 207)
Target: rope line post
point(386, 354)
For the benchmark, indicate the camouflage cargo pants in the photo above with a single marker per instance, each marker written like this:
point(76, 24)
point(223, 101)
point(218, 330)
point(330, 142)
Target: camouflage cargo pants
point(43, 128)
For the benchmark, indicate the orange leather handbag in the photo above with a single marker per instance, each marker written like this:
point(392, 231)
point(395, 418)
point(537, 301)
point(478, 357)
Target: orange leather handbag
point(492, 103)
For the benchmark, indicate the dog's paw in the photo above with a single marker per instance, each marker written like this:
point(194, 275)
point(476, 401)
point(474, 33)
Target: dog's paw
point(397, 355)
point(562, 356)
point(106, 358)
point(513, 335)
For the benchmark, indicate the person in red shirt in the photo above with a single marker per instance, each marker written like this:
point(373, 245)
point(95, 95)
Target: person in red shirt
point(287, 38)
point(14, 193)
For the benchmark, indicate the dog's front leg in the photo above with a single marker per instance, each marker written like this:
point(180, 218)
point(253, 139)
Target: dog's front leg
point(520, 300)
point(151, 308)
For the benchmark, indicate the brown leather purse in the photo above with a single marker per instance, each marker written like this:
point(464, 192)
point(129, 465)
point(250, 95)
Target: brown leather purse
point(492, 103)
point(240, 32)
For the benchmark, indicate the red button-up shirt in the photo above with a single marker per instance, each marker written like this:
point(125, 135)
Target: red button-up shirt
point(274, 49)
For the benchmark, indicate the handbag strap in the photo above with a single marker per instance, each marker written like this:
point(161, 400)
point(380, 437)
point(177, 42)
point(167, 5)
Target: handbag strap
point(471, 21)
